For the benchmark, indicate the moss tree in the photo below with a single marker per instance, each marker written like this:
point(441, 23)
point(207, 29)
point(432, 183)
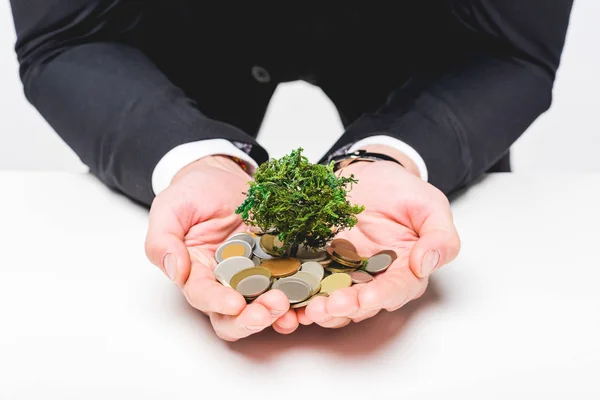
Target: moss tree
point(302, 203)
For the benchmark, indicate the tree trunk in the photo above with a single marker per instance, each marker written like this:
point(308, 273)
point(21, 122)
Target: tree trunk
point(293, 250)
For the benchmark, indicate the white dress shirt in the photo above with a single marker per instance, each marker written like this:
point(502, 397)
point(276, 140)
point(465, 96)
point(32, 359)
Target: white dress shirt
point(184, 154)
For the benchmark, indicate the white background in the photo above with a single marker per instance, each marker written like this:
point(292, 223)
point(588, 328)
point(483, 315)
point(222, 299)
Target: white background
point(566, 138)
point(84, 315)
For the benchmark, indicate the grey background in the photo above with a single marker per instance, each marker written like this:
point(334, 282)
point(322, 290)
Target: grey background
point(567, 138)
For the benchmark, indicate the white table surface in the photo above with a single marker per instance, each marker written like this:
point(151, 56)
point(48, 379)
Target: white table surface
point(83, 314)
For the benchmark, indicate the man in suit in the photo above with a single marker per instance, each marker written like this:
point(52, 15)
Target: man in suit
point(163, 101)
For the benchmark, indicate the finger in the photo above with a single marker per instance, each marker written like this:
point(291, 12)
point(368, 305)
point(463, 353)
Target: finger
point(343, 302)
point(287, 324)
point(356, 313)
point(317, 312)
point(438, 242)
point(207, 295)
point(276, 302)
point(283, 319)
point(302, 317)
point(390, 290)
point(164, 243)
point(253, 319)
point(432, 251)
point(361, 315)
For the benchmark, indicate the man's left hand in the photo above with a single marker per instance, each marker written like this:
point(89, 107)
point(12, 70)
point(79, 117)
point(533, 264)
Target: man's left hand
point(402, 213)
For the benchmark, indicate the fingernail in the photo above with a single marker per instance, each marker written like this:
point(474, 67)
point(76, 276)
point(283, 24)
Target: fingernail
point(276, 313)
point(170, 264)
point(254, 327)
point(430, 262)
point(377, 307)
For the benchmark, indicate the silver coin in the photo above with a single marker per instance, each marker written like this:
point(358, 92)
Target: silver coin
point(305, 254)
point(259, 252)
point(233, 248)
point(225, 270)
point(315, 284)
point(222, 281)
point(256, 260)
point(315, 268)
point(246, 237)
point(296, 290)
point(378, 263)
point(253, 286)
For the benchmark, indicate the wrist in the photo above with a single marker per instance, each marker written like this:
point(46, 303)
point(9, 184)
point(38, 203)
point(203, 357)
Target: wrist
point(221, 162)
point(402, 158)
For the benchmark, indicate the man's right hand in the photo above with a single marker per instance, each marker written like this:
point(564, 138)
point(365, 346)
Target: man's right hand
point(188, 222)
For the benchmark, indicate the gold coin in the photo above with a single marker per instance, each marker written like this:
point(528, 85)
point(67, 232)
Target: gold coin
point(259, 252)
point(345, 263)
point(305, 302)
point(335, 265)
point(344, 254)
point(282, 267)
point(342, 244)
point(347, 255)
point(360, 277)
point(243, 274)
point(233, 250)
point(267, 243)
point(335, 282)
point(334, 270)
point(278, 243)
point(225, 270)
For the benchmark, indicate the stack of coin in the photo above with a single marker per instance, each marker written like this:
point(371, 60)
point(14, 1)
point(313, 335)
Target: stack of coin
point(253, 264)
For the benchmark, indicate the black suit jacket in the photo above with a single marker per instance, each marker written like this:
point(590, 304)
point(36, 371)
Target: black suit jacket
point(123, 82)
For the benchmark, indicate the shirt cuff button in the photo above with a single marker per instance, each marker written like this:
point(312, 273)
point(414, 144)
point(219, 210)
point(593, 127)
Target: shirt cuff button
point(260, 74)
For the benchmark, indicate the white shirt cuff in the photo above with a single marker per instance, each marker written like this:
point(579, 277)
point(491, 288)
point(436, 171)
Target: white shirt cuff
point(397, 144)
point(177, 158)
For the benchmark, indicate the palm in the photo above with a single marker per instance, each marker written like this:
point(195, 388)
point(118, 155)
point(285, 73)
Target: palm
point(204, 238)
point(375, 232)
point(385, 224)
point(188, 222)
point(213, 219)
point(392, 211)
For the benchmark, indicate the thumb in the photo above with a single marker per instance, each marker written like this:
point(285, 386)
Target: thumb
point(438, 245)
point(165, 245)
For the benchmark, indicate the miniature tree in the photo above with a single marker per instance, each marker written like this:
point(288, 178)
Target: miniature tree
point(300, 202)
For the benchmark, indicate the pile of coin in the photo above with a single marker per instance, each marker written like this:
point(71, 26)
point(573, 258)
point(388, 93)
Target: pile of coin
point(252, 265)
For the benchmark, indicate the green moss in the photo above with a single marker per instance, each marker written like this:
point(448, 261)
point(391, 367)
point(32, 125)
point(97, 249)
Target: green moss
point(303, 203)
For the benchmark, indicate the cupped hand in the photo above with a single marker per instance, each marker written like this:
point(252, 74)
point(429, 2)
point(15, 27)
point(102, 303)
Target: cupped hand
point(402, 213)
point(188, 222)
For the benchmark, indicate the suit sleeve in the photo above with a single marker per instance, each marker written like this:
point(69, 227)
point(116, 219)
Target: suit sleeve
point(464, 109)
point(105, 98)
